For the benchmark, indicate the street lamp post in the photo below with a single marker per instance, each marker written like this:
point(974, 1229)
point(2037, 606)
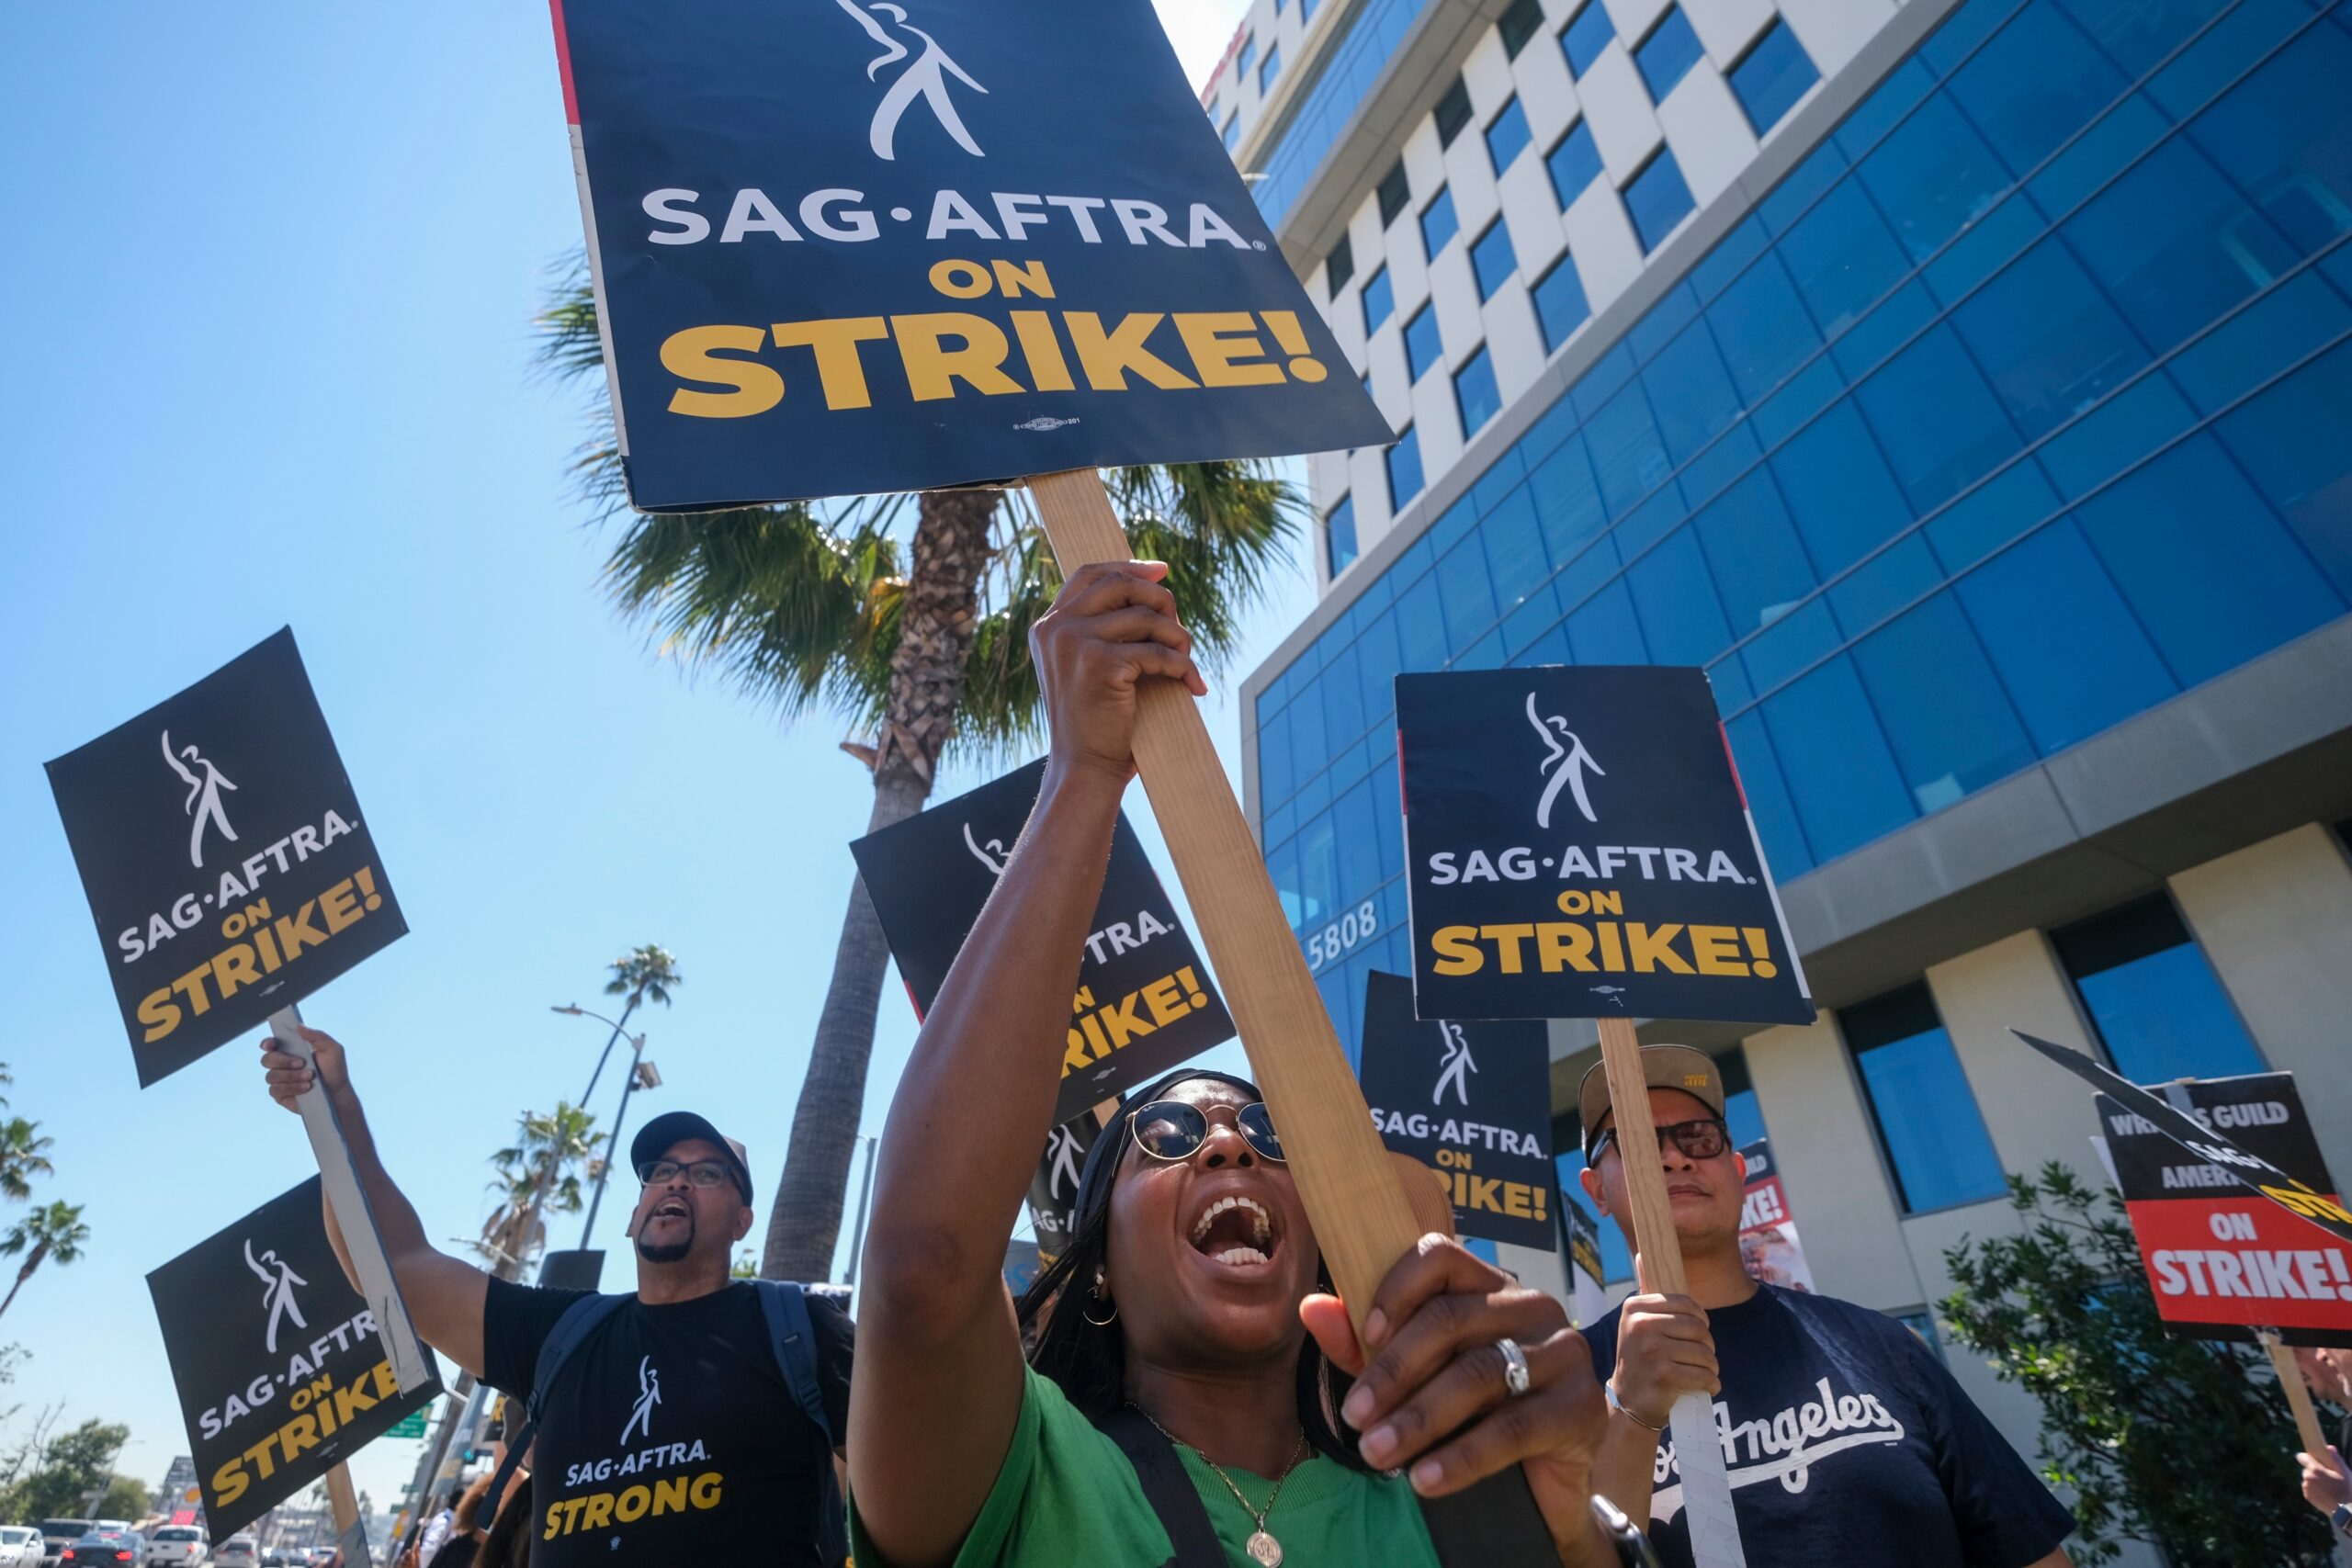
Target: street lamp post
point(641, 1071)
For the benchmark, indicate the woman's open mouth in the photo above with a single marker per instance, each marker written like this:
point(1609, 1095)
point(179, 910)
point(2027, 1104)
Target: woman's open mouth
point(1234, 1231)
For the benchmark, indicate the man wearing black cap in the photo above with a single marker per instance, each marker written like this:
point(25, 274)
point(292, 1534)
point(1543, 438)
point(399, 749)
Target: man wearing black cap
point(1844, 1438)
point(675, 1425)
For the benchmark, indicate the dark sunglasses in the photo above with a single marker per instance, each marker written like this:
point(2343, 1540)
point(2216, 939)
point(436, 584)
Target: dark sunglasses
point(1702, 1139)
point(1172, 1129)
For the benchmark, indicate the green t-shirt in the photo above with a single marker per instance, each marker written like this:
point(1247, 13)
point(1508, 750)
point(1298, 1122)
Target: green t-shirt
point(1067, 1496)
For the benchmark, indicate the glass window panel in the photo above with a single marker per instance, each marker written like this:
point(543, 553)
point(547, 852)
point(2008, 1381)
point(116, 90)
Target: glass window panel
point(1839, 488)
point(1438, 224)
point(1675, 597)
point(1379, 299)
point(1835, 757)
point(1271, 69)
point(1927, 1116)
point(1560, 303)
point(1340, 537)
point(1882, 329)
point(1606, 631)
point(1949, 724)
point(2080, 169)
point(1377, 661)
point(1276, 781)
point(1885, 107)
point(1525, 627)
point(1768, 797)
point(1609, 374)
point(2259, 342)
point(2156, 1001)
point(2035, 83)
point(1775, 74)
point(1793, 643)
point(1338, 266)
point(1465, 591)
point(1515, 549)
point(1282, 867)
point(1423, 349)
point(1343, 715)
point(1939, 425)
point(2117, 433)
point(1358, 835)
point(1486, 653)
point(1491, 259)
point(2135, 34)
point(1794, 196)
point(2068, 651)
point(1983, 249)
point(1502, 476)
point(2048, 339)
point(1762, 328)
point(1475, 393)
point(1804, 395)
point(1586, 36)
point(1576, 161)
point(2285, 135)
point(1309, 746)
point(1691, 391)
point(1651, 520)
point(1568, 502)
point(1733, 253)
point(1249, 56)
point(1455, 526)
point(1932, 176)
point(1750, 543)
point(1388, 821)
point(1232, 132)
point(1898, 576)
point(2174, 246)
point(1508, 136)
point(1731, 454)
point(1981, 522)
point(1627, 456)
point(1667, 54)
point(2208, 569)
point(1395, 193)
point(2290, 442)
point(1658, 325)
point(1319, 870)
point(2232, 45)
point(1969, 24)
point(1656, 199)
point(1521, 23)
point(1453, 112)
point(1404, 470)
point(1843, 257)
point(1420, 626)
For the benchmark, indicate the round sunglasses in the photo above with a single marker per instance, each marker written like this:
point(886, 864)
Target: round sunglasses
point(1705, 1138)
point(1172, 1130)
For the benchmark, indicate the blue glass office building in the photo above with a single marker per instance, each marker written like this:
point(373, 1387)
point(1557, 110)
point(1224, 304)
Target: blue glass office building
point(1989, 441)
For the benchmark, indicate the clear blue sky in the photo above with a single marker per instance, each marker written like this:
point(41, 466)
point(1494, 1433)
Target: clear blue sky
point(270, 277)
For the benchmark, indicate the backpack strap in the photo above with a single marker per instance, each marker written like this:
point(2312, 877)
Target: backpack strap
point(571, 1330)
point(792, 1334)
point(1496, 1521)
point(1167, 1487)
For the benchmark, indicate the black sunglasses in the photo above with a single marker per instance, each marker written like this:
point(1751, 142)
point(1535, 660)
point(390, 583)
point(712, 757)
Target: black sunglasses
point(1172, 1129)
point(1702, 1139)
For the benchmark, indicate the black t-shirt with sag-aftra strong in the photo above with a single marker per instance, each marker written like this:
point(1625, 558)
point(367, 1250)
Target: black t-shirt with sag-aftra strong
point(670, 1435)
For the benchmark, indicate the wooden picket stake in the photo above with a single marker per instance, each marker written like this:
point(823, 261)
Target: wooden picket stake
point(2298, 1398)
point(1697, 1452)
point(1350, 1186)
point(350, 1530)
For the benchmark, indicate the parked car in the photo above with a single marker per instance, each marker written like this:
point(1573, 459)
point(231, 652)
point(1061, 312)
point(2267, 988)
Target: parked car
point(237, 1551)
point(57, 1534)
point(21, 1546)
point(182, 1546)
point(105, 1549)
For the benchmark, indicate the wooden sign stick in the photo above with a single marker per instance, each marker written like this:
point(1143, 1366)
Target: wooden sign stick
point(345, 1503)
point(2299, 1397)
point(1345, 1178)
point(1697, 1452)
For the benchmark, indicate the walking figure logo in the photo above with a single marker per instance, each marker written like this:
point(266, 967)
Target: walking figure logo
point(994, 862)
point(205, 784)
point(649, 1394)
point(1567, 764)
point(1062, 1156)
point(1457, 1061)
point(924, 76)
point(278, 1282)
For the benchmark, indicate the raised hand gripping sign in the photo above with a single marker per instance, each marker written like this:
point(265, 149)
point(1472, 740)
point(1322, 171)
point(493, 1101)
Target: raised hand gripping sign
point(842, 246)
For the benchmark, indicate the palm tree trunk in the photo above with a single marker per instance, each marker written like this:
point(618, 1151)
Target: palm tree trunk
point(32, 1261)
point(936, 622)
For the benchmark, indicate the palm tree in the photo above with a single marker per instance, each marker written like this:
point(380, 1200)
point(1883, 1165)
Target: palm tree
point(21, 1156)
point(538, 1173)
point(644, 975)
point(914, 632)
point(56, 1232)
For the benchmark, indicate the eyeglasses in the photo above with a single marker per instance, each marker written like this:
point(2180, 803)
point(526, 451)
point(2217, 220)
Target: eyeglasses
point(1702, 1139)
point(1171, 1130)
point(703, 1173)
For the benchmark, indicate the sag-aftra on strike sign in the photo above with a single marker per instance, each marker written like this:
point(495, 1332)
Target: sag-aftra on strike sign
point(844, 246)
point(1577, 846)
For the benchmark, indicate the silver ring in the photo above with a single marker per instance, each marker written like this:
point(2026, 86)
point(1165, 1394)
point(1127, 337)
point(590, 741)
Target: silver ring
point(1515, 1376)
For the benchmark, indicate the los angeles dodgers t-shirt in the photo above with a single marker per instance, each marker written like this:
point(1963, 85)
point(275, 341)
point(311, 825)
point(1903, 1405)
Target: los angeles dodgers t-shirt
point(1847, 1442)
point(671, 1437)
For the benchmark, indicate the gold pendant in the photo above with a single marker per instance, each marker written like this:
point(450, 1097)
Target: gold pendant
point(1265, 1548)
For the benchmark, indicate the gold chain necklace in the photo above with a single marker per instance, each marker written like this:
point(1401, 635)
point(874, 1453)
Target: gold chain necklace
point(1262, 1544)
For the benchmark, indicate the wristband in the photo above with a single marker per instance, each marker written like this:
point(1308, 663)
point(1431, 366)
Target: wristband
point(2340, 1517)
point(1620, 1406)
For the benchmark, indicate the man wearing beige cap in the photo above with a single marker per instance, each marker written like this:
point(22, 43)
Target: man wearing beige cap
point(1844, 1438)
